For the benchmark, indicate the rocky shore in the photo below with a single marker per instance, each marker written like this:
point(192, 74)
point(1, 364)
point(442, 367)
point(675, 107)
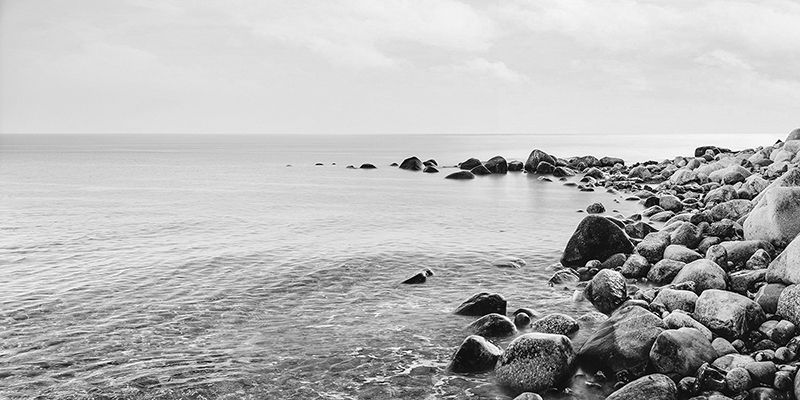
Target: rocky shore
point(697, 296)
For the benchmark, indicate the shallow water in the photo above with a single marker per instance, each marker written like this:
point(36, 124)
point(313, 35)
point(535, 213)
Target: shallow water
point(203, 267)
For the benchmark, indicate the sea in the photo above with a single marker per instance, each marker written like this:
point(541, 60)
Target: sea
point(234, 267)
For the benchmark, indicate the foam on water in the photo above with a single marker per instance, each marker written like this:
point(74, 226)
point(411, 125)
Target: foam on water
point(203, 267)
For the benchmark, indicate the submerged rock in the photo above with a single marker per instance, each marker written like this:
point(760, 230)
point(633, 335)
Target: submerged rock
point(461, 175)
point(535, 362)
point(482, 304)
point(411, 164)
point(493, 325)
point(475, 354)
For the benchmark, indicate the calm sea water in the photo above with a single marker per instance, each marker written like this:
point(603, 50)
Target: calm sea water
point(203, 267)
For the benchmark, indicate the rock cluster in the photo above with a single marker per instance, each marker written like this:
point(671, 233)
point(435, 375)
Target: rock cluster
point(701, 289)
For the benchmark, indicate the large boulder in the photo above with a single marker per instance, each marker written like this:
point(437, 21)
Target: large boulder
point(729, 175)
point(705, 274)
point(650, 387)
point(653, 245)
point(680, 352)
point(786, 267)
point(497, 165)
point(537, 156)
point(493, 325)
point(789, 304)
point(536, 362)
point(623, 341)
point(794, 135)
point(482, 304)
point(469, 164)
point(738, 252)
point(731, 209)
point(676, 299)
point(728, 314)
point(681, 319)
point(595, 238)
point(460, 175)
point(475, 354)
point(606, 291)
point(515, 166)
point(411, 164)
point(681, 253)
point(790, 178)
point(776, 217)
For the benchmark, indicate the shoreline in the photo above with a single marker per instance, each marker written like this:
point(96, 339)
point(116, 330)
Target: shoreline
point(706, 306)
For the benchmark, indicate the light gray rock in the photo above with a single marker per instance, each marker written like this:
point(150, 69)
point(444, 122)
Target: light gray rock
point(728, 314)
point(559, 324)
point(652, 247)
point(768, 295)
point(681, 253)
point(786, 267)
point(723, 346)
point(740, 251)
point(789, 304)
point(775, 217)
point(664, 271)
point(535, 362)
point(732, 209)
point(704, 273)
point(676, 299)
point(636, 266)
point(686, 234)
point(680, 319)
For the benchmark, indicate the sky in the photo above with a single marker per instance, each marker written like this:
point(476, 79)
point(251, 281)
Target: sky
point(400, 66)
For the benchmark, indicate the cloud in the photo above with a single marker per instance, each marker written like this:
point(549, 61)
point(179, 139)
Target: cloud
point(482, 67)
point(723, 59)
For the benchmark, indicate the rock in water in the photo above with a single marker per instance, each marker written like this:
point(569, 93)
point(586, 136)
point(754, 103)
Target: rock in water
point(461, 175)
point(535, 362)
point(515, 166)
point(493, 325)
point(595, 238)
point(595, 208)
point(775, 217)
point(650, 387)
point(482, 304)
point(622, 342)
point(509, 262)
point(786, 267)
point(728, 314)
point(430, 169)
point(475, 354)
point(536, 157)
point(411, 164)
point(497, 165)
point(680, 352)
point(480, 170)
point(558, 324)
point(606, 291)
point(470, 164)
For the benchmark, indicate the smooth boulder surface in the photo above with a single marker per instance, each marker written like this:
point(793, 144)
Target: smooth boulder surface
point(776, 217)
point(475, 354)
point(653, 245)
point(461, 175)
point(665, 271)
point(728, 314)
point(515, 166)
point(622, 342)
point(411, 164)
point(681, 319)
point(481, 304)
point(493, 325)
point(470, 164)
point(635, 266)
point(535, 362)
point(497, 165)
point(681, 253)
point(680, 352)
point(789, 304)
point(786, 267)
point(738, 252)
point(676, 299)
point(537, 156)
point(650, 387)
point(705, 274)
point(480, 170)
point(595, 238)
point(606, 291)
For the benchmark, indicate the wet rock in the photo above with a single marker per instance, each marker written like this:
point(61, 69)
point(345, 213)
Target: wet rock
point(728, 314)
point(760, 259)
point(595, 173)
point(509, 262)
point(367, 166)
point(676, 299)
point(430, 163)
point(635, 266)
point(469, 164)
point(606, 291)
point(775, 217)
point(560, 172)
point(411, 164)
point(595, 238)
point(537, 156)
point(710, 378)
point(535, 362)
point(430, 170)
point(704, 273)
point(614, 262)
point(420, 277)
point(650, 387)
point(622, 342)
point(556, 323)
point(475, 354)
point(762, 372)
point(522, 320)
point(786, 267)
point(681, 253)
point(482, 304)
point(545, 167)
point(461, 175)
point(595, 208)
point(611, 161)
point(515, 166)
point(639, 229)
point(778, 331)
point(731, 361)
point(664, 271)
point(566, 275)
point(480, 170)
point(497, 165)
point(493, 325)
point(652, 247)
point(680, 352)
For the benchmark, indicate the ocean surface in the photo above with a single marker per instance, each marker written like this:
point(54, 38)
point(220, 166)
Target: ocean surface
point(204, 267)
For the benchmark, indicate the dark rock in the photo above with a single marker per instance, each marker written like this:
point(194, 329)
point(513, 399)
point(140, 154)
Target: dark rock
point(738, 380)
point(475, 354)
point(680, 352)
point(497, 165)
point(461, 175)
point(635, 266)
point(728, 314)
point(664, 271)
point(595, 238)
point(560, 172)
point(611, 161)
point(493, 325)
point(431, 170)
point(411, 164)
point(536, 362)
point(430, 163)
point(768, 295)
point(710, 378)
point(650, 387)
point(595, 208)
point(480, 170)
point(744, 281)
point(469, 164)
point(639, 229)
point(565, 275)
point(606, 291)
point(394, 164)
point(686, 234)
point(515, 166)
point(676, 299)
point(537, 156)
point(416, 279)
point(741, 251)
point(545, 167)
point(614, 262)
point(482, 304)
point(522, 320)
point(653, 245)
point(681, 319)
point(367, 166)
point(762, 372)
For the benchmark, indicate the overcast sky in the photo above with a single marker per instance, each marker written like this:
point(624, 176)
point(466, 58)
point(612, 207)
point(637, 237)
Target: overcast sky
point(400, 66)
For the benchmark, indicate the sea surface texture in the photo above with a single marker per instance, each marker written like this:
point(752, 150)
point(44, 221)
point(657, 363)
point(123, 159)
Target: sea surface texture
point(204, 267)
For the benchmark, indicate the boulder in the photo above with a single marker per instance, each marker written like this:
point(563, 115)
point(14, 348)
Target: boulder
point(641, 172)
point(635, 266)
point(623, 341)
point(664, 271)
point(729, 175)
point(681, 253)
point(595, 238)
point(430, 169)
point(681, 319)
point(639, 229)
point(411, 164)
point(682, 177)
point(650, 387)
point(560, 172)
point(652, 247)
point(731, 361)
point(794, 135)
point(723, 346)
point(728, 314)
point(786, 267)
point(515, 166)
point(469, 164)
point(606, 291)
point(768, 295)
point(497, 165)
point(595, 208)
point(680, 352)
point(676, 299)
point(475, 355)
point(461, 175)
point(493, 325)
point(558, 324)
point(704, 273)
point(738, 252)
point(537, 156)
point(481, 304)
point(670, 203)
point(789, 304)
point(686, 234)
point(745, 280)
point(775, 217)
point(545, 167)
point(790, 178)
point(732, 209)
point(611, 161)
point(721, 194)
point(536, 362)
